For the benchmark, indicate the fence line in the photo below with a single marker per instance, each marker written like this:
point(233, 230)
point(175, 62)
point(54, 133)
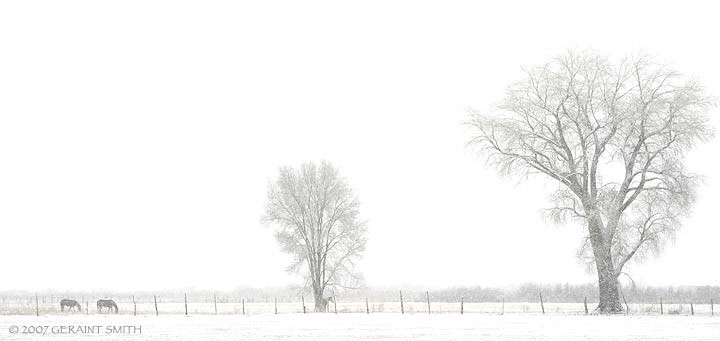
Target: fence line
point(225, 305)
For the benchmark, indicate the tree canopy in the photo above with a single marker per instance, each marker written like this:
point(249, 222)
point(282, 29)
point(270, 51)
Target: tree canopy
point(316, 217)
point(613, 136)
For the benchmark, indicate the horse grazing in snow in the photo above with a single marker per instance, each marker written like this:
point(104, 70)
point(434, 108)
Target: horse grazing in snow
point(70, 304)
point(109, 304)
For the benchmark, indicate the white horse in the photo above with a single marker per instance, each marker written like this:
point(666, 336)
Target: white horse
point(327, 301)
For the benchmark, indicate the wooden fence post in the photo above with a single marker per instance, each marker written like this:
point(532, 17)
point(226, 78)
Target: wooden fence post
point(243, 306)
point(87, 308)
point(335, 303)
point(134, 306)
point(303, 303)
point(186, 312)
point(427, 294)
point(157, 313)
point(542, 305)
point(37, 306)
point(215, 300)
point(503, 306)
point(402, 307)
point(462, 305)
point(692, 309)
point(275, 305)
point(712, 309)
point(585, 303)
point(367, 306)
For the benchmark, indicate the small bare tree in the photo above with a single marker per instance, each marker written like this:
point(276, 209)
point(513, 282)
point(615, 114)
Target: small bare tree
point(316, 218)
point(613, 137)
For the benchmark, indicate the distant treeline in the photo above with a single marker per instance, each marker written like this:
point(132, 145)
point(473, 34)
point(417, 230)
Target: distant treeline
point(529, 292)
point(569, 293)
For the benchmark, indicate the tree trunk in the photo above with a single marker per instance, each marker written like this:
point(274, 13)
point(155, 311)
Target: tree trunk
point(608, 295)
point(320, 302)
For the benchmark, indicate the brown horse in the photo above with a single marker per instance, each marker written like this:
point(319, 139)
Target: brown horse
point(70, 304)
point(109, 304)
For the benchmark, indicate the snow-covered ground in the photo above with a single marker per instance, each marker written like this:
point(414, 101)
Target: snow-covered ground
point(386, 326)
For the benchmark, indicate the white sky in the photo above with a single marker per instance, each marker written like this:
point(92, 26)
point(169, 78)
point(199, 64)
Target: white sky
point(137, 138)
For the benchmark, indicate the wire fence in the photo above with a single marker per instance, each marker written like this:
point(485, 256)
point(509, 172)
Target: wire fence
point(189, 304)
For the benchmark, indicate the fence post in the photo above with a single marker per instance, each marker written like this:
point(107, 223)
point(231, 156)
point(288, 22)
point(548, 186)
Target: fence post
point(427, 294)
point(503, 306)
point(335, 303)
point(462, 305)
point(215, 300)
point(37, 306)
point(692, 310)
point(303, 303)
point(367, 306)
point(157, 313)
point(402, 308)
point(585, 303)
point(661, 306)
point(186, 313)
point(275, 305)
point(243, 306)
point(712, 309)
point(134, 306)
point(87, 308)
point(542, 305)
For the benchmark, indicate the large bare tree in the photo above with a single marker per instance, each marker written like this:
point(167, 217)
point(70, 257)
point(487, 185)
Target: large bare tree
point(315, 214)
point(613, 136)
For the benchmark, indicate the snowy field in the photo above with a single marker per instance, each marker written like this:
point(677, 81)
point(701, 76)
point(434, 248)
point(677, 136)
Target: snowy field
point(388, 326)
